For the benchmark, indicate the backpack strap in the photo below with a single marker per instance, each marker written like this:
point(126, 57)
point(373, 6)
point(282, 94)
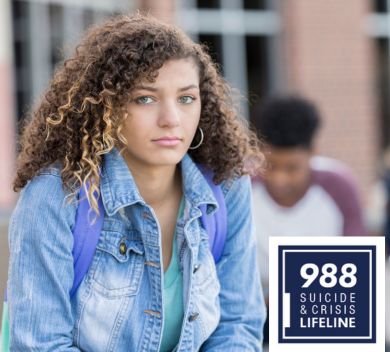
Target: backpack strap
point(86, 237)
point(216, 224)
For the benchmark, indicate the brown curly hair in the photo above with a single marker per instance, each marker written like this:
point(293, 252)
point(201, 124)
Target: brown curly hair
point(79, 117)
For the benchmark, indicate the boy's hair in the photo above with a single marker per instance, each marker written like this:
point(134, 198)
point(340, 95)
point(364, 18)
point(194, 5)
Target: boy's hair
point(287, 122)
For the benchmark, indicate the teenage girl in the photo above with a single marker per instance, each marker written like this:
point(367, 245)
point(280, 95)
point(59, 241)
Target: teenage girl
point(133, 114)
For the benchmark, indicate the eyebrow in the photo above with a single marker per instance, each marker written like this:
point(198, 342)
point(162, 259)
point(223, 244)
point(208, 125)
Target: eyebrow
point(153, 89)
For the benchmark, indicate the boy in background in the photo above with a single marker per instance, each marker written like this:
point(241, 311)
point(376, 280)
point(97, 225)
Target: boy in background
point(300, 194)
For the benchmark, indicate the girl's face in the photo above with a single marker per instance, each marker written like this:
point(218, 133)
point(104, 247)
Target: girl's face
point(169, 108)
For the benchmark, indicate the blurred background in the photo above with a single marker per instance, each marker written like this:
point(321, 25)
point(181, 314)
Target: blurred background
point(334, 52)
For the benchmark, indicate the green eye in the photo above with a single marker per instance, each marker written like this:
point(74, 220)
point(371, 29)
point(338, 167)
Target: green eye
point(144, 100)
point(186, 99)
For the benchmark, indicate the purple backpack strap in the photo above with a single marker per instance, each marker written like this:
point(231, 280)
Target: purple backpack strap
point(86, 237)
point(216, 224)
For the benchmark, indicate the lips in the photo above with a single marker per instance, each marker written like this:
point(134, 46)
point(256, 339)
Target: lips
point(167, 139)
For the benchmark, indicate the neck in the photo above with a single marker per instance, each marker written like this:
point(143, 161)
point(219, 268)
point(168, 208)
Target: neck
point(288, 202)
point(156, 184)
point(292, 200)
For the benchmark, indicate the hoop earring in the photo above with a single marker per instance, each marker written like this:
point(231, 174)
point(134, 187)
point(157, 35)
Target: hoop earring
point(201, 140)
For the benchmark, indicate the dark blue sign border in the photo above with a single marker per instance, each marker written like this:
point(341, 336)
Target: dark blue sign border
point(280, 295)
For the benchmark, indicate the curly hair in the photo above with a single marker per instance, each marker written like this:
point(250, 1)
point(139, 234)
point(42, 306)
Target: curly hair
point(79, 118)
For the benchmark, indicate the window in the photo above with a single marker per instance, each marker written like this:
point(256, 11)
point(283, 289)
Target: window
point(44, 33)
point(380, 5)
point(211, 4)
point(214, 43)
point(255, 4)
point(379, 29)
point(22, 79)
point(257, 68)
point(382, 81)
point(240, 35)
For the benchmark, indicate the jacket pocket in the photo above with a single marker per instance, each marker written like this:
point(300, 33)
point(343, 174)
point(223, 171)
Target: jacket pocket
point(120, 264)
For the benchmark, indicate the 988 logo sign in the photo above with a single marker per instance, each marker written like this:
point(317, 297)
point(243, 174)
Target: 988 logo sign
point(326, 294)
point(328, 278)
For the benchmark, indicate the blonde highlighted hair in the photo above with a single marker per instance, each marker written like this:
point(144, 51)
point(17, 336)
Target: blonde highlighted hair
point(80, 116)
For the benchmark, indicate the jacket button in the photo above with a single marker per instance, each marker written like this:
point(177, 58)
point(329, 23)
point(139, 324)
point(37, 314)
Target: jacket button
point(196, 267)
point(193, 317)
point(145, 215)
point(122, 248)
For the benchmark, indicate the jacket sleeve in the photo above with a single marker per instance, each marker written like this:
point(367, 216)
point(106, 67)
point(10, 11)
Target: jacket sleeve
point(40, 273)
point(243, 310)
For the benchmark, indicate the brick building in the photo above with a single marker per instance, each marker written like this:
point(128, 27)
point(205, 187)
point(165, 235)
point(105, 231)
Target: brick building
point(334, 52)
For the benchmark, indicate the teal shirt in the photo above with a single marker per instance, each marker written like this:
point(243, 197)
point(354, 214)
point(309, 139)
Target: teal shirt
point(173, 297)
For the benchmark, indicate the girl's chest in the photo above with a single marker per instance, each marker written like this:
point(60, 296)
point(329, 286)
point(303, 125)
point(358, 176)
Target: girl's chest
point(121, 295)
point(167, 221)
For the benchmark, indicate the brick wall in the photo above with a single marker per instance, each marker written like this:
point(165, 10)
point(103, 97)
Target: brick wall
point(163, 9)
point(328, 58)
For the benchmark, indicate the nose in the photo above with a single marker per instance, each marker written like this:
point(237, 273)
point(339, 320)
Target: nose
point(169, 115)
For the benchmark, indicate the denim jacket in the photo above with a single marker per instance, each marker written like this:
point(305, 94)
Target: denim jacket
point(118, 306)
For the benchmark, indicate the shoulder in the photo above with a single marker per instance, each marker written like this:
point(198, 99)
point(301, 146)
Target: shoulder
point(332, 175)
point(235, 185)
point(47, 184)
point(44, 197)
point(338, 181)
